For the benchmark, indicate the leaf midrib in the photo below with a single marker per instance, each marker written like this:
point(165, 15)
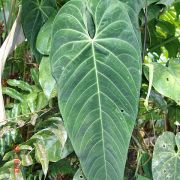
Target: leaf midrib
point(100, 108)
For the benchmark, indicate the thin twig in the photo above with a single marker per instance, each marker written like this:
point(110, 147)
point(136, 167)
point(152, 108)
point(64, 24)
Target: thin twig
point(145, 31)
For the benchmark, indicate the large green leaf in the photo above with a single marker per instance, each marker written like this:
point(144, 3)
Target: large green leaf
point(166, 157)
point(96, 60)
point(34, 14)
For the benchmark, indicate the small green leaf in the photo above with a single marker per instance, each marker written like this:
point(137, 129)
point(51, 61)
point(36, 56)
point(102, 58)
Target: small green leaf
point(26, 160)
point(43, 42)
point(25, 108)
point(53, 139)
point(35, 76)
point(16, 111)
point(61, 134)
point(2, 146)
point(20, 84)
point(7, 165)
point(42, 101)
point(41, 156)
point(31, 100)
point(12, 93)
point(45, 77)
point(8, 139)
point(166, 157)
point(8, 156)
point(26, 147)
point(33, 119)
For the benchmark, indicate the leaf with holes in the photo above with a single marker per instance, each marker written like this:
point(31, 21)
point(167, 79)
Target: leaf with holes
point(78, 175)
point(166, 80)
point(166, 157)
point(96, 61)
point(38, 13)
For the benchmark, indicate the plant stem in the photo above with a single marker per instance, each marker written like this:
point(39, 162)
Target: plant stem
point(145, 31)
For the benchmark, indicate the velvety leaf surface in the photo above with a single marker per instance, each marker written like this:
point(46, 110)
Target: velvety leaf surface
point(96, 60)
point(166, 157)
